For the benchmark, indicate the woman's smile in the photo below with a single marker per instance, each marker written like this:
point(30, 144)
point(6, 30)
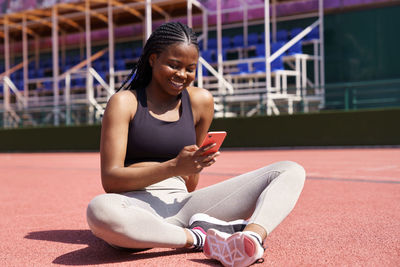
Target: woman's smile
point(175, 68)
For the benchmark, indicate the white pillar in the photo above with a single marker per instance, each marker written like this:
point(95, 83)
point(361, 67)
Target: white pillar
point(205, 29)
point(148, 20)
point(245, 25)
point(189, 13)
point(267, 55)
point(25, 60)
point(111, 48)
point(89, 77)
point(321, 49)
point(274, 20)
point(56, 100)
point(219, 46)
point(6, 117)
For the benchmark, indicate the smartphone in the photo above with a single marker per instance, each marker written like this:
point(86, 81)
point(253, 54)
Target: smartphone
point(213, 137)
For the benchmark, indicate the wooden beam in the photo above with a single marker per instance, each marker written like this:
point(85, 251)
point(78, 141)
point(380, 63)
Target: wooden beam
point(70, 22)
point(82, 9)
point(15, 25)
point(122, 6)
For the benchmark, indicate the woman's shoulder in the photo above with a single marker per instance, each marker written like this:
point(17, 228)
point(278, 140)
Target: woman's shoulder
point(200, 96)
point(124, 102)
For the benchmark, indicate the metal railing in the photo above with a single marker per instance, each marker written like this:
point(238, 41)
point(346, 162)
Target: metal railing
point(362, 95)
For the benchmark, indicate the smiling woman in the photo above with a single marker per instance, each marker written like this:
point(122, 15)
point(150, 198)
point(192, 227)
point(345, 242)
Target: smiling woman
point(151, 157)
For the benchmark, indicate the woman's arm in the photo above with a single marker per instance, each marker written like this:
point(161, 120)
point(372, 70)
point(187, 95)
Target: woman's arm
point(203, 113)
point(114, 132)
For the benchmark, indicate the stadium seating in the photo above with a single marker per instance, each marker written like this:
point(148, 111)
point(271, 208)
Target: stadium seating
point(295, 49)
point(282, 36)
point(242, 68)
point(238, 41)
point(212, 43)
point(252, 39)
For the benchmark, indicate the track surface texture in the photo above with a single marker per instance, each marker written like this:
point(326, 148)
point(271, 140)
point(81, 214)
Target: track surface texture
point(348, 213)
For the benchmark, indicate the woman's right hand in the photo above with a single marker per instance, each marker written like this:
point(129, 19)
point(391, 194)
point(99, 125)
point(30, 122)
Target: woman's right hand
point(191, 159)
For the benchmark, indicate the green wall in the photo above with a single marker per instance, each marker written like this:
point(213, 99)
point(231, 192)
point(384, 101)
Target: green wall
point(362, 45)
point(352, 128)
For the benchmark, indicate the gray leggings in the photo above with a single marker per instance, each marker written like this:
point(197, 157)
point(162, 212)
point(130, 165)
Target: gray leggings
point(157, 215)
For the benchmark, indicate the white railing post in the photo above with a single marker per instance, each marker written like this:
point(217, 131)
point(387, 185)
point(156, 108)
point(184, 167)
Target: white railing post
point(111, 47)
point(267, 56)
point(322, 49)
point(219, 47)
point(56, 100)
point(6, 97)
point(67, 98)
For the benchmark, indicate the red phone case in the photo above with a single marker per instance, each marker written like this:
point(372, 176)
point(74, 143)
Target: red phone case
point(214, 137)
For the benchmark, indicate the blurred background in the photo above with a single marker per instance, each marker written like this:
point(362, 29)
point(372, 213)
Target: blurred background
point(60, 61)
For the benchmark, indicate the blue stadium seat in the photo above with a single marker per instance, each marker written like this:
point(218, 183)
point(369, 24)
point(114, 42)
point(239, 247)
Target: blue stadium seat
point(40, 73)
point(226, 42)
point(277, 64)
point(295, 31)
point(120, 64)
point(19, 84)
point(295, 49)
point(129, 53)
point(32, 73)
point(259, 66)
point(211, 44)
point(119, 54)
point(243, 68)
point(208, 55)
point(282, 36)
point(275, 46)
point(98, 64)
point(78, 82)
point(200, 43)
point(137, 52)
point(260, 50)
point(314, 34)
point(238, 41)
point(252, 39)
point(47, 85)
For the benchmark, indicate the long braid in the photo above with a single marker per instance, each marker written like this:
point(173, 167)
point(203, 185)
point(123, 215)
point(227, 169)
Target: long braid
point(164, 36)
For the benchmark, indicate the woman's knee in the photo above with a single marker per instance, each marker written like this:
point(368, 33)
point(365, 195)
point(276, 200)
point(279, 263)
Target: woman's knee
point(295, 171)
point(104, 211)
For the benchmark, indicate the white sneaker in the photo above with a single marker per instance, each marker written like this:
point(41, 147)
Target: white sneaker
point(205, 222)
point(235, 250)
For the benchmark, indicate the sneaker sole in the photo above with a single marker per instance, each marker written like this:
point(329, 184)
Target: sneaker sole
point(237, 250)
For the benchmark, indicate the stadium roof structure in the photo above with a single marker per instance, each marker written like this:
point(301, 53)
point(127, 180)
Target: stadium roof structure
point(71, 16)
point(87, 18)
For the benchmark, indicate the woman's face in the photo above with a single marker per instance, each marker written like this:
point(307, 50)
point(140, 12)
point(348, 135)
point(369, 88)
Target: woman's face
point(175, 68)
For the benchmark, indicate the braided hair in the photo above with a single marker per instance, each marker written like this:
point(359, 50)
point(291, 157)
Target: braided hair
point(164, 36)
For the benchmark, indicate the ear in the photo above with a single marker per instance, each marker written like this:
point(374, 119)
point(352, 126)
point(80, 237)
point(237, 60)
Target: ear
point(152, 59)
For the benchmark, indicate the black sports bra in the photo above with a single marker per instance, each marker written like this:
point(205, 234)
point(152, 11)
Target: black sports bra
point(152, 139)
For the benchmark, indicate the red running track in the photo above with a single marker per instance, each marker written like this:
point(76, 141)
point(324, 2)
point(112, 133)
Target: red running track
point(347, 215)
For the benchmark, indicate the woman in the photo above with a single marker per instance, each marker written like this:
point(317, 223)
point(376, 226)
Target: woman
point(151, 160)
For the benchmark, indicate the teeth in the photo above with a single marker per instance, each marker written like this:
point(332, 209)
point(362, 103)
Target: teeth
point(177, 84)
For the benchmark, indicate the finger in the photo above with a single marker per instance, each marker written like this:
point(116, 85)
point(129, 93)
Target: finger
point(210, 157)
point(191, 148)
point(207, 147)
point(209, 163)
